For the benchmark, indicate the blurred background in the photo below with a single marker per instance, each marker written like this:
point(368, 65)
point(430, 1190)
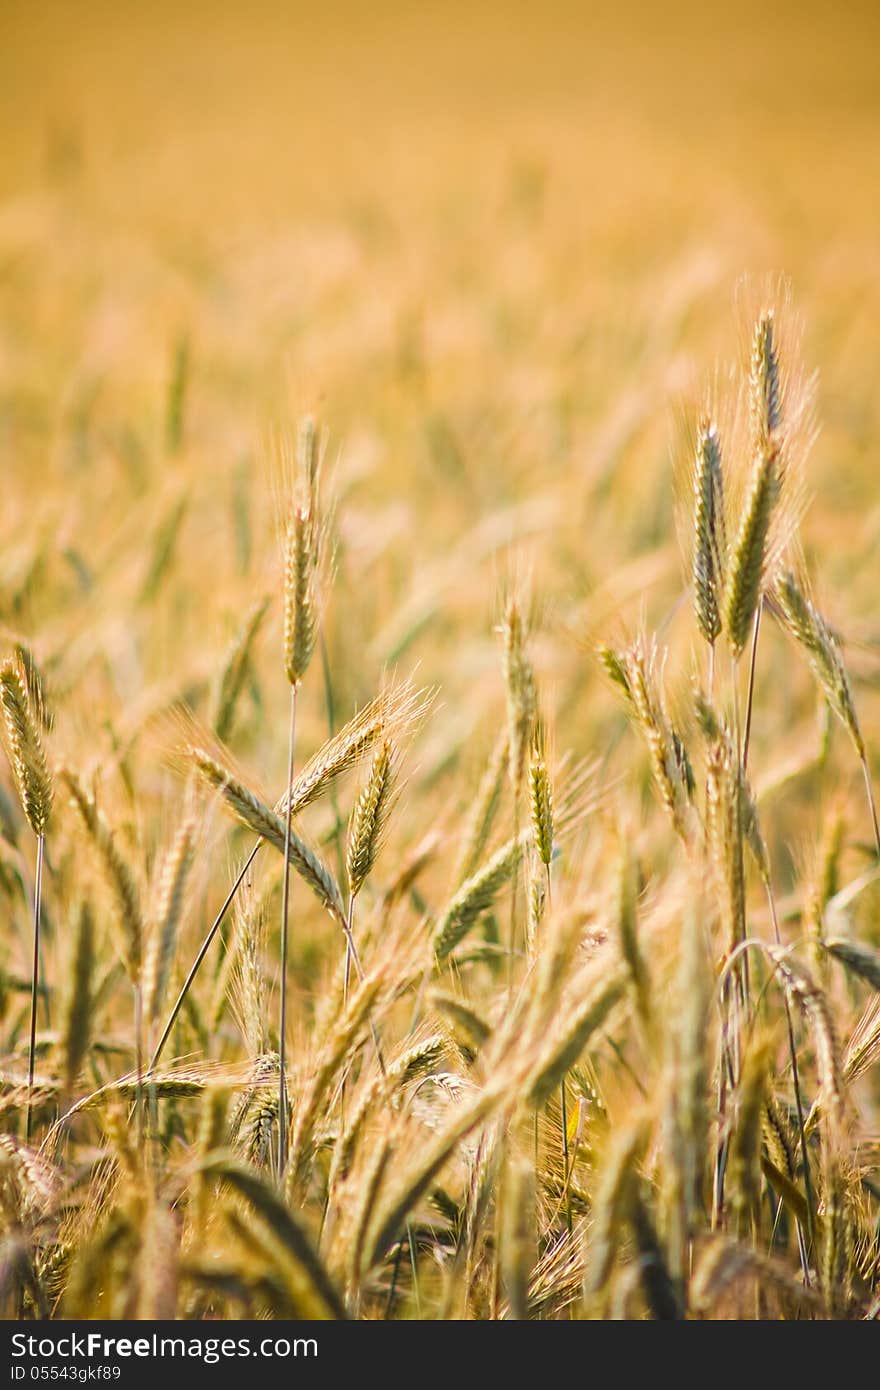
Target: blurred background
point(499, 248)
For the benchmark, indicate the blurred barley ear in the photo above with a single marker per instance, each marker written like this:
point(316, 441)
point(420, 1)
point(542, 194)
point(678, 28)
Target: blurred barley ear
point(27, 758)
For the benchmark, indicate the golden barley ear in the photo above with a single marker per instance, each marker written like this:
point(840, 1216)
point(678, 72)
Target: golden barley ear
point(24, 747)
point(369, 818)
point(305, 557)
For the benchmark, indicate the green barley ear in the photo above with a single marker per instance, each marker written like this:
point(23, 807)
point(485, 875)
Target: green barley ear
point(765, 396)
point(541, 799)
point(24, 747)
point(810, 630)
point(710, 538)
point(749, 558)
point(369, 818)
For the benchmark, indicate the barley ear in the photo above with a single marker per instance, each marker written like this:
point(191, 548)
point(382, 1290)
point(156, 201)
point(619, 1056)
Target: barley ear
point(710, 540)
point(369, 818)
point(749, 558)
point(24, 747)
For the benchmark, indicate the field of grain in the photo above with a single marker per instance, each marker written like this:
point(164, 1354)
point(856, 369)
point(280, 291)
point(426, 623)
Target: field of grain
point(439, 461)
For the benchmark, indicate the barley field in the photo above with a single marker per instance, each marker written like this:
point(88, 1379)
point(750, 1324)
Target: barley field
point(440, 661)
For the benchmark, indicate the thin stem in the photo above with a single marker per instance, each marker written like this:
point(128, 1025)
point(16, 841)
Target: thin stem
point(285, 908)
point(35, 984)
point(871, 802)
point(202, 952)
point(346, 980)
point(751, 692)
